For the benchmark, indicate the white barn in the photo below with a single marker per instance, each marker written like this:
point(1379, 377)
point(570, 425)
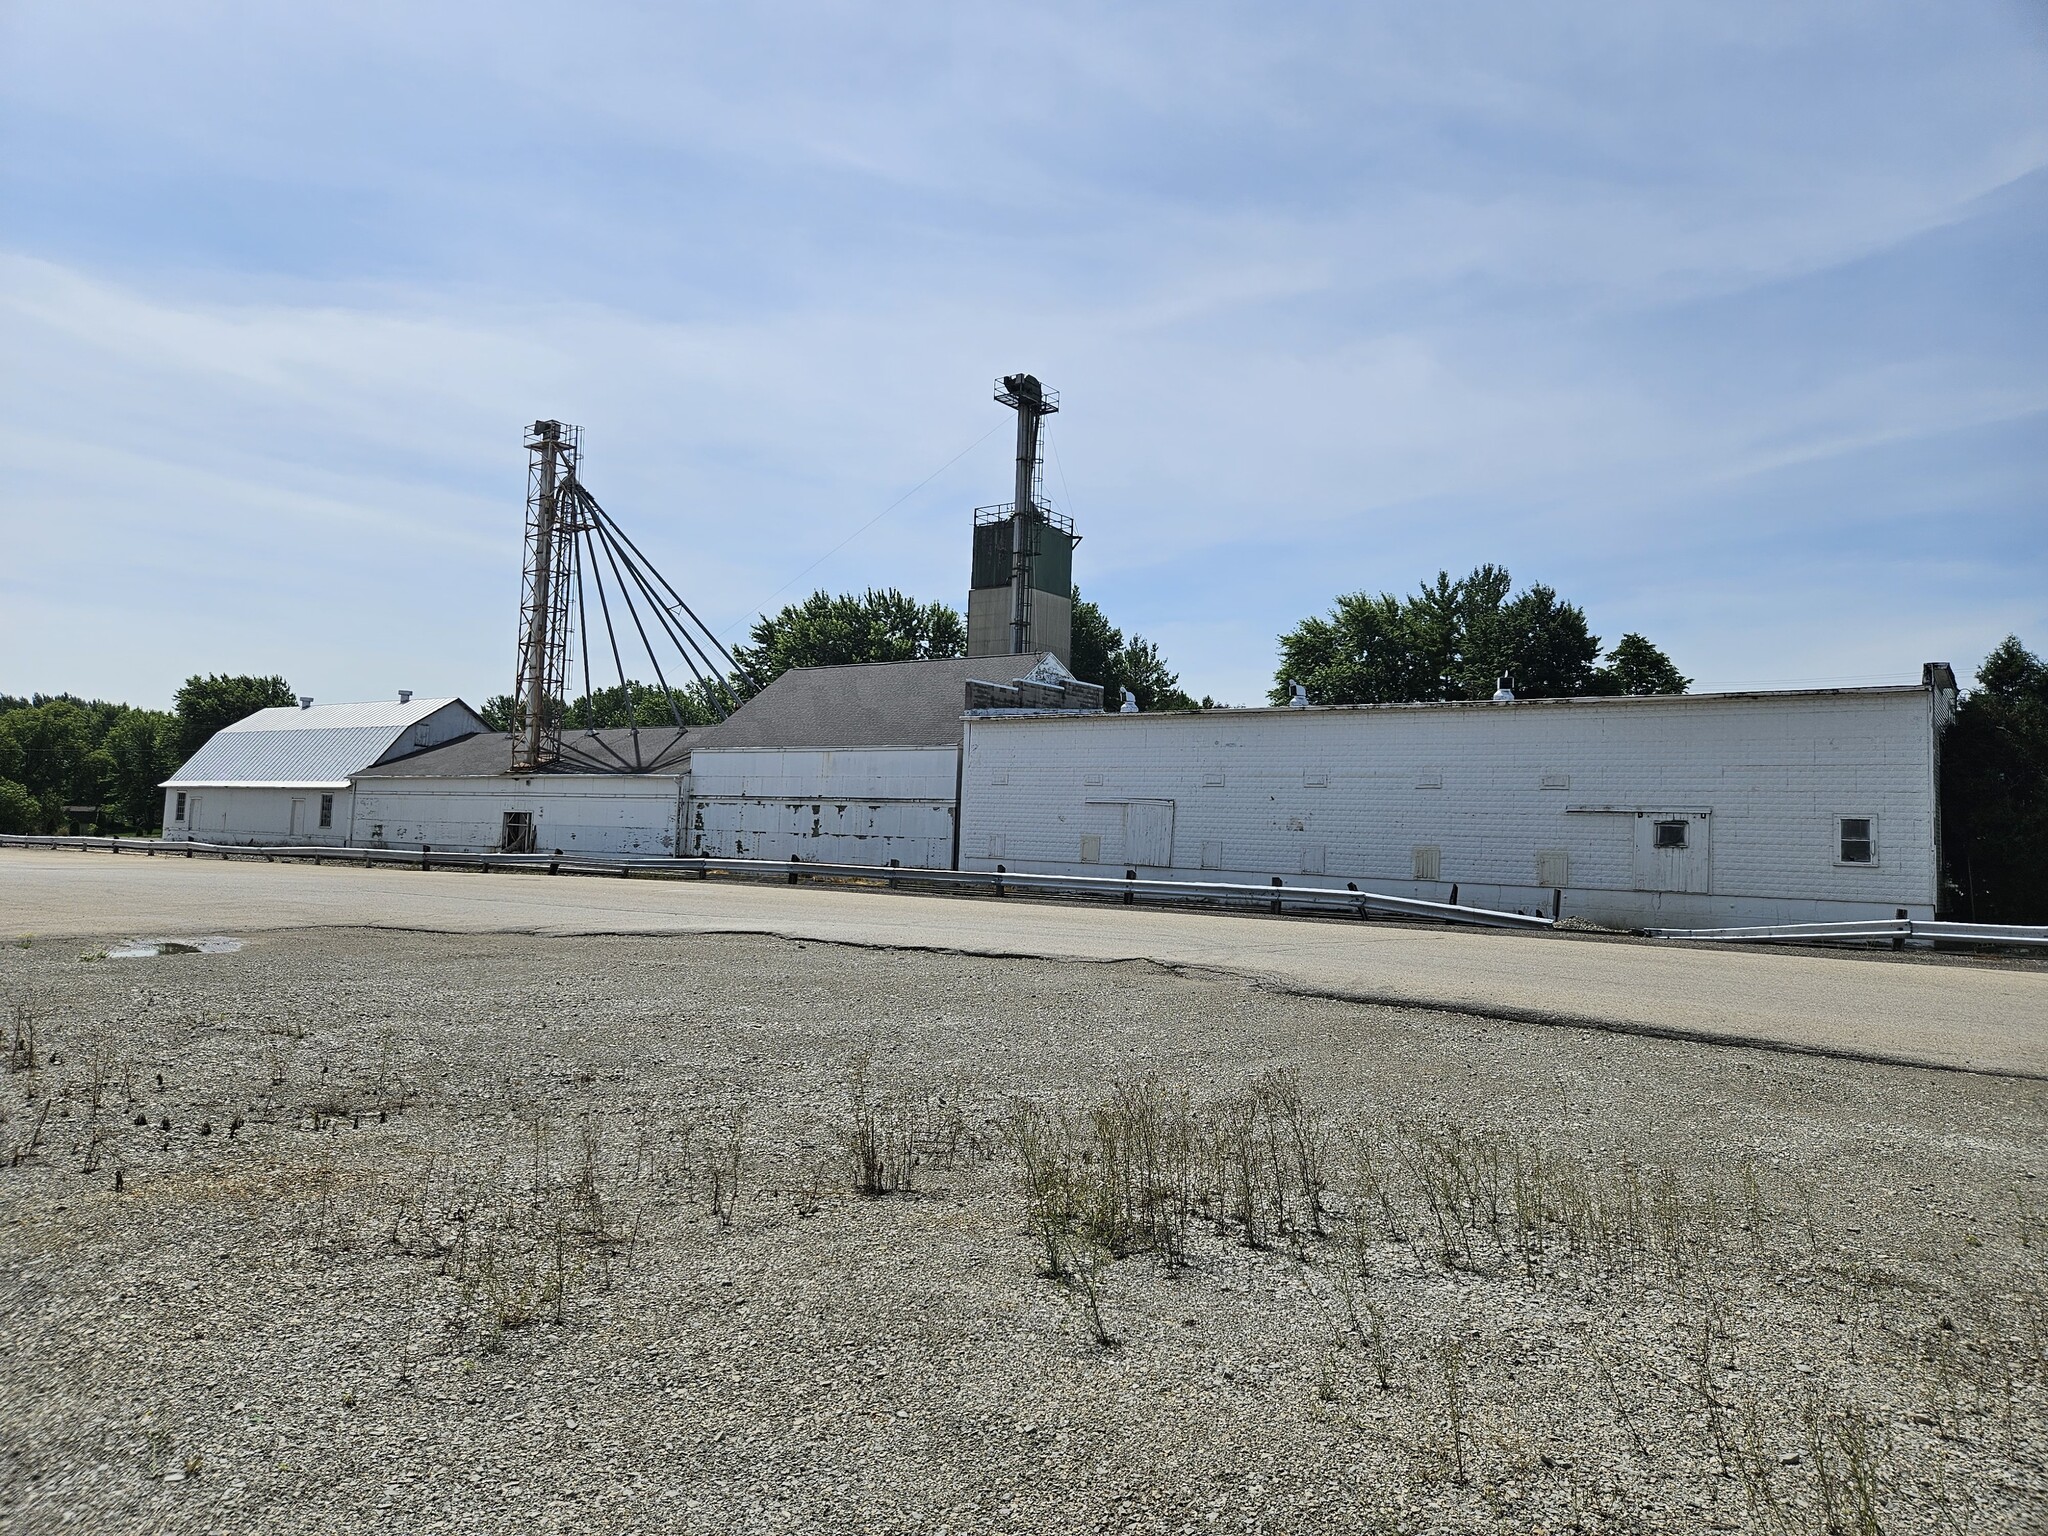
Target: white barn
point(1679, 811)
point(284, 776)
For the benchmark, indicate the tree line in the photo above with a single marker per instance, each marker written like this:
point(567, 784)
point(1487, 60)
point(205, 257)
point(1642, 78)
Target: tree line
point(106, 759)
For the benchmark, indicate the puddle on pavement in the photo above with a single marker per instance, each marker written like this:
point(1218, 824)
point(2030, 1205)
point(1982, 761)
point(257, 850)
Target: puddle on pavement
point(149, 949)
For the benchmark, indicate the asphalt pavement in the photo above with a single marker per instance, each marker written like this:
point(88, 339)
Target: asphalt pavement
point(1949, 1014)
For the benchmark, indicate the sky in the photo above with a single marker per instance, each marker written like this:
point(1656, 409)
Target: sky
point(1729, 323)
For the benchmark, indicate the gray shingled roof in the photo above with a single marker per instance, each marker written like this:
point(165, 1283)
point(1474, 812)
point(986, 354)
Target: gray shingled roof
point(879, 704)
point(314, 748)
point(488, 754)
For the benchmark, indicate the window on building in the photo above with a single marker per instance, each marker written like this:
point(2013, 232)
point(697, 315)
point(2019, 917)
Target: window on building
point(327, 810)
point(1091, 848)
point(1553, 868)
point(1858, 840)
point(1429, 863)
point(1671, 834)
point(180, 816)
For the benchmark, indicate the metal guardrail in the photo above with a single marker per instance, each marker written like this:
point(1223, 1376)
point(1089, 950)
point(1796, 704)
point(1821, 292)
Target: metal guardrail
point(1895, 929)
point(997, 882)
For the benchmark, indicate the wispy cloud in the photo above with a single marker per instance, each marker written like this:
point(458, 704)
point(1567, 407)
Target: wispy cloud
point(1729, 323)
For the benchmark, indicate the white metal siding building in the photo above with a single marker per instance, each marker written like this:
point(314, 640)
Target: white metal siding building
point(617, 791)
point(1696, 810)
point(284, 776)
point(861, 805)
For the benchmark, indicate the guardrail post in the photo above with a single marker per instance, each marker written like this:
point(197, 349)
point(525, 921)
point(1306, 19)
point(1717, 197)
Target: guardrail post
point(1364, 907)
point(1454, 894)
point(1556, 905)
point(625, 871)
point(555, 861)
point(1129, 896)
point(894, 864)
point(425, 849)
point(1000, 872)
point(1276, 899)
point(1900, 941)
point(792, 869)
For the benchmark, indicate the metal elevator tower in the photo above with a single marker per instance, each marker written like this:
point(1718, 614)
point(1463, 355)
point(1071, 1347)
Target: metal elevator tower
point(1021, 600)
point(553, 524)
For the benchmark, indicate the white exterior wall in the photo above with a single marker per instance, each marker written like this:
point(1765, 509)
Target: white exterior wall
point(577, 813)
point(864, 805)
point(1326, 797)
point(244, 814)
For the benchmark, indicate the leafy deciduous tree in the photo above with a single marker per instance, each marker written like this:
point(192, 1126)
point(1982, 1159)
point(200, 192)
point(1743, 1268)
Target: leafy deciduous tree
point(206, 704)
point(1994, 791)
point(1454, 640)
point(1101, 654)
point(828, 631)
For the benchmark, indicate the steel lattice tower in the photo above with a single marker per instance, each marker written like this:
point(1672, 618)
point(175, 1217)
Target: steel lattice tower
point(552, 525)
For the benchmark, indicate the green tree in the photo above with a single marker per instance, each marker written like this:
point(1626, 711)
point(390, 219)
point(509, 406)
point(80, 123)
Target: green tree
point(206, 704)
point(1101, 654)
point(622, 704)
point(1994, 791)
point(141, 747)
point(828, 631)
point(1455, 640)
point(20, 811)
point(1635, 667)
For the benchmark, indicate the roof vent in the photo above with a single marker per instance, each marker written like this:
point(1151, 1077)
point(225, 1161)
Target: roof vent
point(1130, 704)
point(305, 701)
point(1503, 694)
point(405, 695)
point(1299, 698)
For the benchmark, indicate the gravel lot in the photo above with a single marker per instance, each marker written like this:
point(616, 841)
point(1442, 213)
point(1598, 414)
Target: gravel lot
point(355, 1230)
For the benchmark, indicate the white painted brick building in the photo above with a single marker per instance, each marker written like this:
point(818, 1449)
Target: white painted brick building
point(1696, 810)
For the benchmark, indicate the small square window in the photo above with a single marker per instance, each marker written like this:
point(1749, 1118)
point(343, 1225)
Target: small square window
point(327, 810)
point(1429, 863)
point(180, 816)
point(995, 845)
point(1091, 848)
point(1671, 834)
point(1858, 840)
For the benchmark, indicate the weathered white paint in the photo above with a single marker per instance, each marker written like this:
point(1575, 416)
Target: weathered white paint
point(1508, 802)
point(259, 811)
point(229, 813)
point(576, 813)
point(865, 805)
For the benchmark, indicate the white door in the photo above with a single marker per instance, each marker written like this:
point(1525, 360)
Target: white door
point(192, 828)
point(1148, 833)
point(1672, 852)
point(298, 815)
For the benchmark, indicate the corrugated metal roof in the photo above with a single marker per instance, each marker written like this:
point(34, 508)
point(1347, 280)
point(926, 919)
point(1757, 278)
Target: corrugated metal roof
point(316, 748)
point(322, 717)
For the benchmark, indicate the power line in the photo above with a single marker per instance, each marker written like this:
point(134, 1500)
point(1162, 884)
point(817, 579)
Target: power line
point(864, 527)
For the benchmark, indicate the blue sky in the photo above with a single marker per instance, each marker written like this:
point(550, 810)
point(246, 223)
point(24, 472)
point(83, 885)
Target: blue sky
point(1729, 322)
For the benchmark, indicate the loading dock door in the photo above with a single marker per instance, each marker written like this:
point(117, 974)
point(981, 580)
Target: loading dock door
point(518, 832)
point(1672, 851)
point(1148, 833)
